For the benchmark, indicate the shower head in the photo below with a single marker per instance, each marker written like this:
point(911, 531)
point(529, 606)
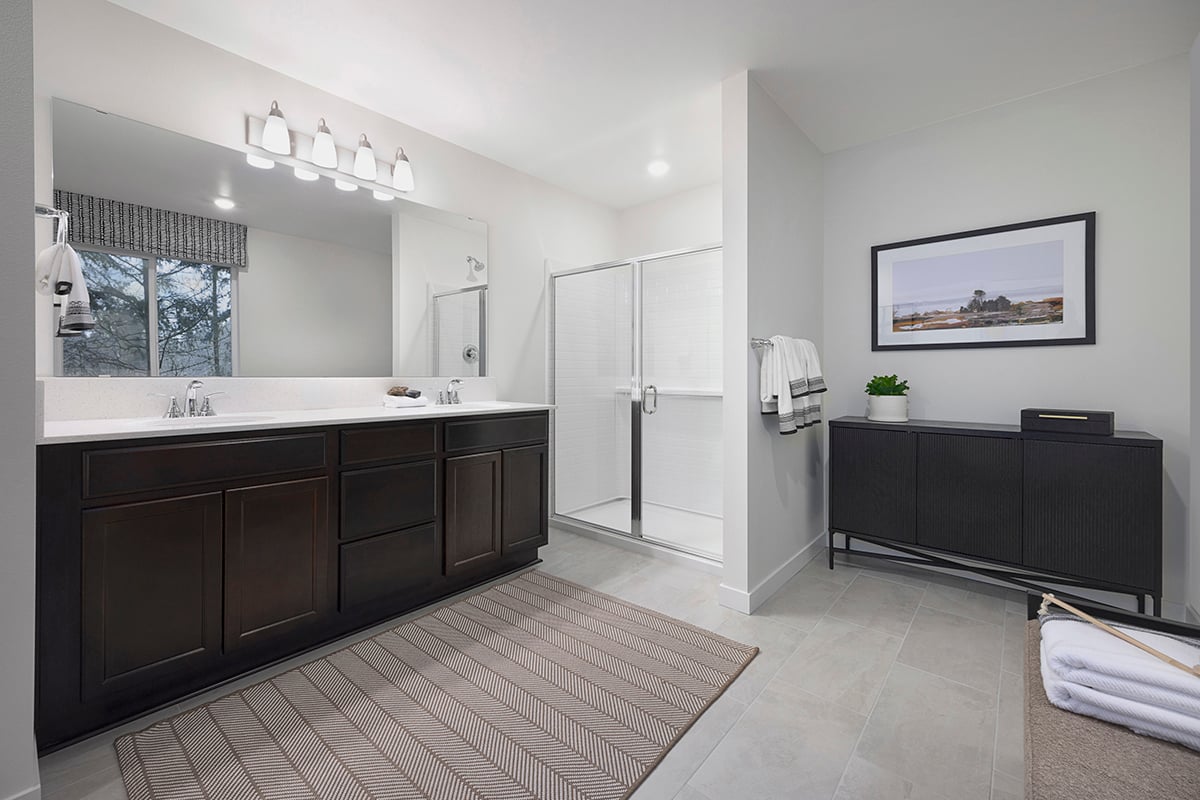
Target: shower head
point(476, 264)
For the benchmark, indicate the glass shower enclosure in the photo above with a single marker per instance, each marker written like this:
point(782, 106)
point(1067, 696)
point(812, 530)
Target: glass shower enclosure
point(636, 380)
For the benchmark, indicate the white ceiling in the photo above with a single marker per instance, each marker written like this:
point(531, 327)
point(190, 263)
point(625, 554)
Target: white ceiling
point(584, 93)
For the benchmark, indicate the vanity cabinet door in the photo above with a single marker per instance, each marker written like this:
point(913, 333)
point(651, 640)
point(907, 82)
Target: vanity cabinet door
point(276, 560)
point(151, 595)
point(473, 511)
point(526, 494)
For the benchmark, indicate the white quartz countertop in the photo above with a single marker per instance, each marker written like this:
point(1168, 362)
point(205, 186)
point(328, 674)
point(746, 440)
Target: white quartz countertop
point(95, 430)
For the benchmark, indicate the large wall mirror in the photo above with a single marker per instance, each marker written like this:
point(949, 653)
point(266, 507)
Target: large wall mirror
point(295, 278)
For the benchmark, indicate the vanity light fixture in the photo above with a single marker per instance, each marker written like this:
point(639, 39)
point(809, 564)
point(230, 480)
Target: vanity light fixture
point(402, 174)
point(224, 203)
point(382, 196)
point(345, 186)
point(276, 138)
point(305, 174)
point(657, 168)
point(259, 162)
point(324, 151)
point(364, 160)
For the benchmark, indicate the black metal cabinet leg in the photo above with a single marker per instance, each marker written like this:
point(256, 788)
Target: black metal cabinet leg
point(830, 549)
point(1141, 603)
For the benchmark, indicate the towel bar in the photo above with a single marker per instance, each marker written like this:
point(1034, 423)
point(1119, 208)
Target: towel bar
point(756, 342)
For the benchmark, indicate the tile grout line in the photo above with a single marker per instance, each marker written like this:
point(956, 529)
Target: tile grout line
point(879, 694)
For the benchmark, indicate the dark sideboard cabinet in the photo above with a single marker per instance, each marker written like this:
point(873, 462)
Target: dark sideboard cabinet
point(1067, 508)
point(169, 565)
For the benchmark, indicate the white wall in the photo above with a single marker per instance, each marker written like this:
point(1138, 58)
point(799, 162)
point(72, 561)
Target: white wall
point(157, 75)
point(428, 257)
point(774, 487)
point(18, 757)
point(1116, 145)
point(1193, 573)
point(687, 219)
point(312, 308)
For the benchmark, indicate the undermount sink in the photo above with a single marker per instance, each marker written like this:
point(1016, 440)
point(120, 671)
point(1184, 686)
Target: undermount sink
point(200, 422)
point(477, 405)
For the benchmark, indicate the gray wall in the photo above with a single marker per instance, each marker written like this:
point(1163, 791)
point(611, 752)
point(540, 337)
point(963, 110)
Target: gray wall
point(1116, 145)
point(18, 759)
point(774, 485)
point(1193, 573)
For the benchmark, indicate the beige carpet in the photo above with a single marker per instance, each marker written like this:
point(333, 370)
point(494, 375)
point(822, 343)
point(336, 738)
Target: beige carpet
point(536, 688)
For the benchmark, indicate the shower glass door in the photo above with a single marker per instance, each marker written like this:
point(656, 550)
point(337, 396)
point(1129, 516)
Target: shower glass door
point(636, 381)
point(592, 318)
point(681, 377)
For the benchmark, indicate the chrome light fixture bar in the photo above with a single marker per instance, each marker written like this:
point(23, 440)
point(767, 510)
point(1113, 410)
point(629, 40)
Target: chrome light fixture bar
point(312, 157)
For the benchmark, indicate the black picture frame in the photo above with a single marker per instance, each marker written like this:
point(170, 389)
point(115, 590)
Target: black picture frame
point(1076, 231)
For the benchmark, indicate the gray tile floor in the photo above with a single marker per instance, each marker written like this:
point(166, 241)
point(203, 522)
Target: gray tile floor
point(872, 682)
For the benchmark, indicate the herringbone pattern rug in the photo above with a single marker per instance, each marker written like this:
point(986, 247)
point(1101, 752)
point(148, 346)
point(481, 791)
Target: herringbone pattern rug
point(536, 688)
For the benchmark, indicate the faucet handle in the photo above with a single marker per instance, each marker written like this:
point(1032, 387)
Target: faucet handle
point(206, 409)
point(173, 409)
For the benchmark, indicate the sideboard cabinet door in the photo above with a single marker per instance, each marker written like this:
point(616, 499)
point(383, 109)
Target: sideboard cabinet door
point(873, 483)
point(1091, 509)
point(969, 495)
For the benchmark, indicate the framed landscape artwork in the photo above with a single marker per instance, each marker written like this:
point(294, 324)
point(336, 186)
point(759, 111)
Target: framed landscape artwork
point(1031, 283)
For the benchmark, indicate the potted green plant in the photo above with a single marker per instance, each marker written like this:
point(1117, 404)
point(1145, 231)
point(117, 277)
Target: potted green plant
point(887, 399)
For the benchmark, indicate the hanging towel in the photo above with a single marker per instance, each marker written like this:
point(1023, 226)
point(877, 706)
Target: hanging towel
point(1090, 672)
point(60, 273)
point(789, 381)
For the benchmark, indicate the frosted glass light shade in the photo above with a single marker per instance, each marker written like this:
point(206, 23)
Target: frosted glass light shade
point(275, 137)
point(259, 162)
point(345, 186)
point(324, 151)
point(364, 160)
point(305, 174)
point(383, 197)
point(402, 174)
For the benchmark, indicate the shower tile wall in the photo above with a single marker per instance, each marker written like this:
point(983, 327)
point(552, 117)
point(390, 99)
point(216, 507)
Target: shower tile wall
point(458, 326)
point(681, 355)
point(591, 310)
point(681, 321)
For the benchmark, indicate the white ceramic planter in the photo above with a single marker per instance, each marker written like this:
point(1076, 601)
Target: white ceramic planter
point(887, 408)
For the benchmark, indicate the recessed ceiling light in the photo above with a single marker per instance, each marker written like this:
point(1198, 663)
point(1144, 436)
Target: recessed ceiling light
point(384, 196)
point(305, 174)
point(345, 186)
point(224, 203)
point(259, 162)
point(658, 168)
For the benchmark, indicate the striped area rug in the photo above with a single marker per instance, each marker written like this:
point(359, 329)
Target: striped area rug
point(536, 688)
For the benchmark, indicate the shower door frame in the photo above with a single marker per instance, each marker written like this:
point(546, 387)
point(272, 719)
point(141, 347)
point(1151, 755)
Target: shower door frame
point(636, 387)
point(437, 330)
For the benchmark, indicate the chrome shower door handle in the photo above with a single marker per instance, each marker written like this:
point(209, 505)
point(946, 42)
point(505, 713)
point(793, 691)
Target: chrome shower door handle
point(647, 408)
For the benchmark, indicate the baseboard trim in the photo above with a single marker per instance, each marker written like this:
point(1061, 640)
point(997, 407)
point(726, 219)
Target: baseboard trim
point(749, 602)
point(32, 793)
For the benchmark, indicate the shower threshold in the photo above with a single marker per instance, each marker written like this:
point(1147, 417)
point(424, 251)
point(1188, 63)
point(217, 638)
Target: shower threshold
point(680, 528)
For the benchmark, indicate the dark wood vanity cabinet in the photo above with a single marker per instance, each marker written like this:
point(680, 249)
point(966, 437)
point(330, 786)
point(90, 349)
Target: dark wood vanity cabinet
point(1085, 510)
point(169, 565)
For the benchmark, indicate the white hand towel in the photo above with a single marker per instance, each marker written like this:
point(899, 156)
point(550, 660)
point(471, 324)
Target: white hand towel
point(60, 273)
point(403, 401)
point(1092, 672)
point(789, 380)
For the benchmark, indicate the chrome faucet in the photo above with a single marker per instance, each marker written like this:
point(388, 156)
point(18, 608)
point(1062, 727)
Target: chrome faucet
point(452, 387)
point(191, 409)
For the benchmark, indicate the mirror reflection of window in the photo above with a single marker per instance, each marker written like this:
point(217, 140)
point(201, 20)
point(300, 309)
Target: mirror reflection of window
point(192, 317)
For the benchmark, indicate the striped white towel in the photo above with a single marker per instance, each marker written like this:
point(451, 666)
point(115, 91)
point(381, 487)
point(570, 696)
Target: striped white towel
point(789, 381)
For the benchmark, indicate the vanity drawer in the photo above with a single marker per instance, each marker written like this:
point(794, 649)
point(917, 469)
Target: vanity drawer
point(388, 566)
point(387, 498)
point(380, 443)
point(490, 433)
point(142, 469)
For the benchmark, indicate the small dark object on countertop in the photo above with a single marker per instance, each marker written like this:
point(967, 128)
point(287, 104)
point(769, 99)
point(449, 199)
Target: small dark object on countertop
point(413, 393)
point(397, 391)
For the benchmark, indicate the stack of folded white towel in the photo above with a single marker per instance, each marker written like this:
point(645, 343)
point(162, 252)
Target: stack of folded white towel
point(1091, 672)
point(789, 381)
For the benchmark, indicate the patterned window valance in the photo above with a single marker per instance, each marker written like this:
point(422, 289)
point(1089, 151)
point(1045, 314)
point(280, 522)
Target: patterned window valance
point(141, 229)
